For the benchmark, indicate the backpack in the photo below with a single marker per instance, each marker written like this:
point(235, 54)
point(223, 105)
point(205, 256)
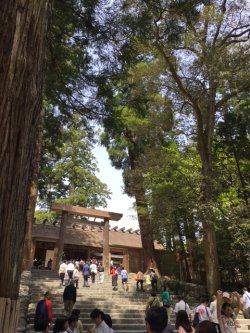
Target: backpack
point(196, 319)
point(124, 274)
point(41, 316)
point(108, 320)
point(153, 276)
point(155, 302)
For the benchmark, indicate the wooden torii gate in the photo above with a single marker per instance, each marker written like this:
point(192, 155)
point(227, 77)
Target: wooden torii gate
point(67, 211)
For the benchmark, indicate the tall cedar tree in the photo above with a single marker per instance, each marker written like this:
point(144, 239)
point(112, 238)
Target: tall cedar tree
point(138, 121)
point(68, 85)
point(192, 40)
point(23, 27)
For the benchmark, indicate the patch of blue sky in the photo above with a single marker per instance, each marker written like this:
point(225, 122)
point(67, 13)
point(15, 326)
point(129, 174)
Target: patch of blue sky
point(119, 201)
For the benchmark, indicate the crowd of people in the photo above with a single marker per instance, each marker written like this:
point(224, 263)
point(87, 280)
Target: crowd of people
point(91, 270)
point(220, 316)
point(71, 270)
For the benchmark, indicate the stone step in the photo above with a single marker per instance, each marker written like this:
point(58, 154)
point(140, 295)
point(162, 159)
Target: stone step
point(127, 309)
point(31, 330)
point(133, 311)
point(39, 290)
point(117, 327)
point(92, 290)
point(102, 304)
point(243, 321)
point(116, 296)
point(129, 317)
point(107, 285)
point(140, 315)
point(116, 321)
point(244, 325)
point(99, 301)
point(94, 295)
point(105, 308)
point(97, 286)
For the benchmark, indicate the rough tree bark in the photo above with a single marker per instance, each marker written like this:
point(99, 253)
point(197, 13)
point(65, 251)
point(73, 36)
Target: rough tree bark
point(205, 135)
point(144, 222)
point(138, 190)
point(23, 26)
point(146, 232)
point(28, 251)
point(205, 120)
point(184, 254)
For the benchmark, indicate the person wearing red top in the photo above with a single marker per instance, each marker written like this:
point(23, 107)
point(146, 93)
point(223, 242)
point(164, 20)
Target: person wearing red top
point(114, 274)
point(43, 314)
point(48, 302)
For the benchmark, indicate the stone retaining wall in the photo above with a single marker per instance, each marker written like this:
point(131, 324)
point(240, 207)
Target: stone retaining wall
point(182, 288)
point(24, 297)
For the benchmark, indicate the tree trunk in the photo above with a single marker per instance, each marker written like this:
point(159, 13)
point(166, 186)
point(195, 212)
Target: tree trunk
point(209, 237)
point(191, 259)
point(240, 175)
point(205, 135)
point(146, 232)
point(184, 255)
point(211, 256)
point(137, 188)
point(23, 26)
point(28, 251)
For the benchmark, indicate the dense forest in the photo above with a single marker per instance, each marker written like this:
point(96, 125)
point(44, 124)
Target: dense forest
point(168, 83)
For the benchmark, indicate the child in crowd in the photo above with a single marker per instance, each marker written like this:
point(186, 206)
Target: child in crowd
point(226, 316)
point(79, 328)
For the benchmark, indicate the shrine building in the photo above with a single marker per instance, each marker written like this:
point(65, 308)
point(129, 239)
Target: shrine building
point(84, 233)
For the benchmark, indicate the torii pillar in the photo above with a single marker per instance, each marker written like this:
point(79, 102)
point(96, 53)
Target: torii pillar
point(58, 250)
point(106, 249)
point(66, 211)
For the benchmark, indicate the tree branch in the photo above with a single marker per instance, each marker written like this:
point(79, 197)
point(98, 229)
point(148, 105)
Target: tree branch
point(223, 10)
point(231, 34)
point(176, 76)
point(234, 93)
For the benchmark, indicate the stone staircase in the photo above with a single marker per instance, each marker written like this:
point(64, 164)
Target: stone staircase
point(127, 309)
point(244, 325)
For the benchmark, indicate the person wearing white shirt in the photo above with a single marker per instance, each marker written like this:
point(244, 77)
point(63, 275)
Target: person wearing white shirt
point(72, 321)
point(70, 269)
point(101, 273)
point(225, 313)
point(100, 326)
point(246, 303)
point(62, 271)
point(76, 276)
point(93, 271)
point(213, 310)
point(181, 305)
point(203, 311)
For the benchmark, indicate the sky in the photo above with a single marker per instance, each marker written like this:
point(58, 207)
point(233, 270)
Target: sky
point(119, 202)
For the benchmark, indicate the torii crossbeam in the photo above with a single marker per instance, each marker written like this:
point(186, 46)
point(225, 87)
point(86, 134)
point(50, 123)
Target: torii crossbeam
point(67, 211)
